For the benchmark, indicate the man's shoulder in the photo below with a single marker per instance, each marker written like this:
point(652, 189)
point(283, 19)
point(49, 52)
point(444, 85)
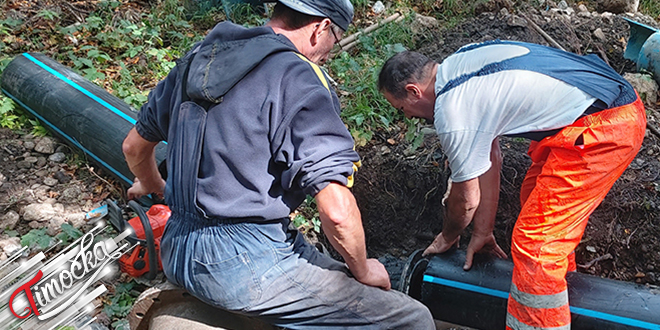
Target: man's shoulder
point(296, 68)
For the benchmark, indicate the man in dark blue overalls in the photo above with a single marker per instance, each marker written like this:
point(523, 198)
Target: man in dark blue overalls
point(253, 127)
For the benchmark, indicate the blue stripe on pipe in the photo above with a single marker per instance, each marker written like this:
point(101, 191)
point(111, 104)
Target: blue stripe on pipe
point(72, 140)
point(80, 88)
point(574, 310)
point(466, 287)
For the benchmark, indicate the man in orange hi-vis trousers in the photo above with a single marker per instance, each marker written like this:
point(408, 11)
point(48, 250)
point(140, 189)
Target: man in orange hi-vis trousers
point(585, 122)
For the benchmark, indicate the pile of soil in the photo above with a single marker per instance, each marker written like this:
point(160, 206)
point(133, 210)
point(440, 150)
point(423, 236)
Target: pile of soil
point(399, 192)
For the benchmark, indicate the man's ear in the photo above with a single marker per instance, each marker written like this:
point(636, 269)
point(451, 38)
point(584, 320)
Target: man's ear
point(319, 29)
point(413, 89)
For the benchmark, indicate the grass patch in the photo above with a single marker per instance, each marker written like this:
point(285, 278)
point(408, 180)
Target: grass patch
point(364, 108)
point(651, 8)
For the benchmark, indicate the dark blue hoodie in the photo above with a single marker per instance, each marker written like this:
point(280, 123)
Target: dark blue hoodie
point(273, 132)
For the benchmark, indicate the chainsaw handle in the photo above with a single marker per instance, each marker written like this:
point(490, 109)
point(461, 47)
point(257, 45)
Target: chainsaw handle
point(149, 238)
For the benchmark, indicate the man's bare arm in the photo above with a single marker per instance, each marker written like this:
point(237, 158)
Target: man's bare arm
point(141, 160)
point(342, 224)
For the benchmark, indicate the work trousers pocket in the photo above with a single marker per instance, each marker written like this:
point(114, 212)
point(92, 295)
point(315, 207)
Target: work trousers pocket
point(230, 284)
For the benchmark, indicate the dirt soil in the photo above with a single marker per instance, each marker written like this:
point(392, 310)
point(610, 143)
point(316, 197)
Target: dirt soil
point(399, 191)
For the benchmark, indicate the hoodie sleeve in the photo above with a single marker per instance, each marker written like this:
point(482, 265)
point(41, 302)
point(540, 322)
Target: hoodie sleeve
point(316, 148)
point(154, 117)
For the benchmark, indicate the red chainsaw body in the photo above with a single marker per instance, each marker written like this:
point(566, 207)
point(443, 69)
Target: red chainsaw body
point(136, 263)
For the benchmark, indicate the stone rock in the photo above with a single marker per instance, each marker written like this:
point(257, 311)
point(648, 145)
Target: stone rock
point(77, 219)
point(36, 224)
point(583, 9)
point(7, 186)
point(38, 212)
point(59, 208)
point(29, 145)
point(562, 5)
point(9, 220)
point(54, 225)
point(24, 164)
point(45, 146)
point(378, 7)
point(645, 86)
point(2, 179)
point(9, 245)
point(599, 34)
point(50, 181)
point(618, 6)
point(584, 14)
point(41, 173)
point(430, 131)
point(515, 20)
point(41, 161)
point(62, 177)
point(70, 194)
point(423, 23)
point(57, 157)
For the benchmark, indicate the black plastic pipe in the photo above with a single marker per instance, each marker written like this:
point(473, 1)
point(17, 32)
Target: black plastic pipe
point(81, 113)
point(478, 298)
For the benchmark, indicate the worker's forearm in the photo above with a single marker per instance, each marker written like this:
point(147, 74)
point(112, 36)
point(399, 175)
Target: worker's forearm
point(141, 160)
point(462, 204)
point(458, 217)
point(342, 224)
point(489, 184)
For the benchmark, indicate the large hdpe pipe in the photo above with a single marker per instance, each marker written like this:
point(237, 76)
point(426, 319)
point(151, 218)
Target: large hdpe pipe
point(478, 298)
point(643, 47)
point(76, 110)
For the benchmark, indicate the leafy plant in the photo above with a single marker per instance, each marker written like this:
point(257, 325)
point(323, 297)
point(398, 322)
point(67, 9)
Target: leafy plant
point(121, 301)
point(8, 118)
point(48, 14)
point(37, 128)
point(364, 108)
point(307, 217)
point(69, 233)
point(36, 237)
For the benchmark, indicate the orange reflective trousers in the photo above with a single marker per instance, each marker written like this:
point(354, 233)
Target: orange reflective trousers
point(570, 175)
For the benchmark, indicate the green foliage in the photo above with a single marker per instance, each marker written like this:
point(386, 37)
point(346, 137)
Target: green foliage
point(650, 7)
point(413, 134)
point(121, 325)
point(120, 304)
point(364, 108)
point(7, 117)
point(69, 233)
point(48, 14)
point(11, 233)
point(36, 238)
point(37, 128)
point(307, 217)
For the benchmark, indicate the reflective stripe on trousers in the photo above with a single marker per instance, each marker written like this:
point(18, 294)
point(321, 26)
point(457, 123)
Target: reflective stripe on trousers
point(565, 183)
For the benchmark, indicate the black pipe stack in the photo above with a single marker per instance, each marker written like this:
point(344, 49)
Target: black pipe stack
point(81, 113)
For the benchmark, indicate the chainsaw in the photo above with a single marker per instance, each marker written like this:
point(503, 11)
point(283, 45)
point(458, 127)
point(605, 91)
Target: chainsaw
point(147, 229)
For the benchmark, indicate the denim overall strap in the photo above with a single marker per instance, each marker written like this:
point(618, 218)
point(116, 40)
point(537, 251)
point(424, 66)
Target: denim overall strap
point(185, 140)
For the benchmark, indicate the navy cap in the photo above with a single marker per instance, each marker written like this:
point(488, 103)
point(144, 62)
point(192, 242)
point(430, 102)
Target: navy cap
point(339, 12)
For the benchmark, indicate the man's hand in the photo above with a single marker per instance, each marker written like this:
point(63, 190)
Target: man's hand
point(376, 276)
point(480, 243)
point(441, 244)
point(138, 189)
